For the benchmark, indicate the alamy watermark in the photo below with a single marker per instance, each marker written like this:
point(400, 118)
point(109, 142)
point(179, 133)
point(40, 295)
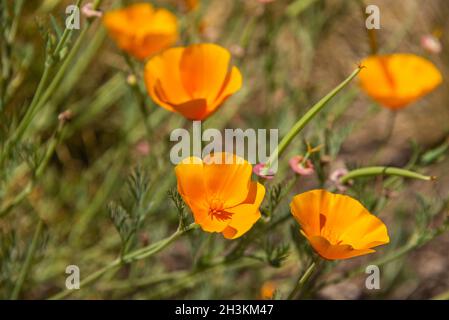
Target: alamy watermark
point(254, 145)
point(372, 282)
point(373, 17)
point(73, 17)
point(72, 282)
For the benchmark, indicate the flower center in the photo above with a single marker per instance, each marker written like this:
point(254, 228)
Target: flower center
point(328, 233)
point(216, 210)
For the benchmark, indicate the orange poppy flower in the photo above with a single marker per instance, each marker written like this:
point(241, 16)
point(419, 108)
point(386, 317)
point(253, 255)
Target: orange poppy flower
point(267, 291)
point(396, 80)
point(220, 193)
point(142, 30)
point(191, 4)
point(192, 81)
point(337, 226)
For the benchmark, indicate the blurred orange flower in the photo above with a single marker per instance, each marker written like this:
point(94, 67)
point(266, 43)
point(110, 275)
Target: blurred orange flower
point(397, 80)
point(192, 81)
point(220, 193)
point(337, 226)
point(142, 30)
point(191, 4)
point(267, 291)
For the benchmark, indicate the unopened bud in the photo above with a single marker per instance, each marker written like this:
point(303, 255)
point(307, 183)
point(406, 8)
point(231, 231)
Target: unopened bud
point(89, 11)
point(65, 116)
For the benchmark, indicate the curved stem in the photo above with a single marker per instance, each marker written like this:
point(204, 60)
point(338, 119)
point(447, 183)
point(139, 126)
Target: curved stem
point(28, 260)
point(384, 171)
point(138, 254)
point(139, 95)
point(43, 98)
point(302, 280)
point(56, 138)
point(305, 119)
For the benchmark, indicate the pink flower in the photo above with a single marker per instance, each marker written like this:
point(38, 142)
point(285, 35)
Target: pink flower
point(431, 44)
point(142, 148)
point(335, 178)
point(89, 12)
point(303, 169)
point(259, 170)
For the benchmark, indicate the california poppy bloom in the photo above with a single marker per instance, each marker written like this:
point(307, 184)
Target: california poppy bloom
point(337, 226)
point(142, 30)
point(396, 80)
point(192, 81)
point(220, 193)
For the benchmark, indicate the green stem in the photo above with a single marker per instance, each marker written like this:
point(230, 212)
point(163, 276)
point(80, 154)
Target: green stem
point(28, 260)
point(305, 119)
point(302, 280)
point(138, 254)
point(67, 32)
point(57, 79)
point(382, 171)
point(5, 209)
point(41, 96)
point(36, 97)
point(202, 275)
point(139, 95)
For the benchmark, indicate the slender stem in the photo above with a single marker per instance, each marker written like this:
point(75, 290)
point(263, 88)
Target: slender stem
point(388, 135)
point(305, 119)
point(202, 275)
point(55, 140)
point(42, 99)
point(41, 96)
point(67, 32)
point(5, 209)
point(384, 171)
point(390, 128)
point(28, 260)
point(371, 33)
point(138, 254)
point(302, 280)
point(139, 95)
point(36, 97)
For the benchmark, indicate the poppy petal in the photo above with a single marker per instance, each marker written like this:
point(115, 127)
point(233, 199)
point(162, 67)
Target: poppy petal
point(337, 226)
point(227, 177)
point(163, 70)
point(204, 68)
point(232, 84)
point(191, 184)
point(397, 80)
point(245, 215)
point(305, 208)
point(335, 252)
point(192, 188)
point(193, 109)
point(141, 30)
